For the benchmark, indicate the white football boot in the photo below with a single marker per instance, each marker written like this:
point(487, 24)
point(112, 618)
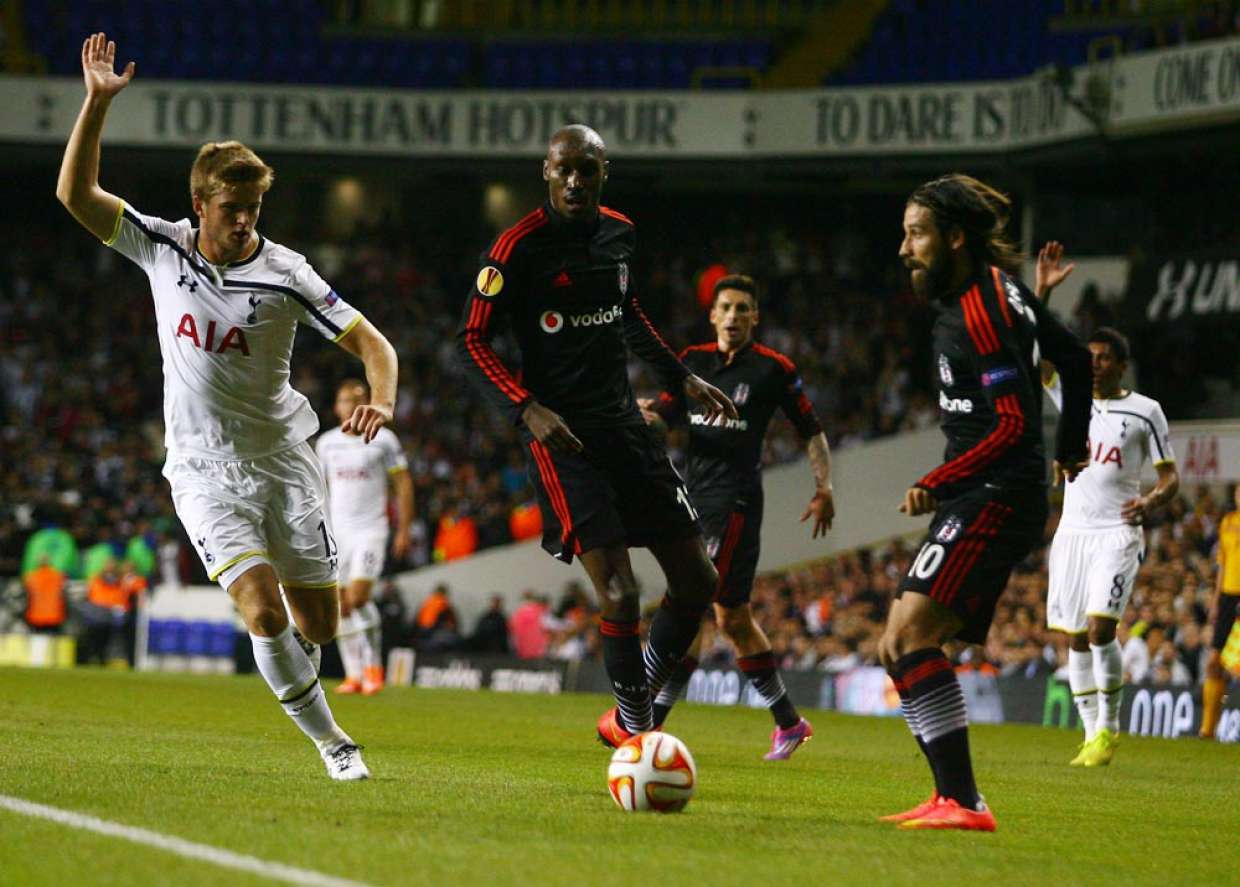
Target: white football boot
point(344, 762)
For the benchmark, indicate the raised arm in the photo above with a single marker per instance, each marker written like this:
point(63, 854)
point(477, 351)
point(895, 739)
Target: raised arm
point(78, 184)
point(379, 358)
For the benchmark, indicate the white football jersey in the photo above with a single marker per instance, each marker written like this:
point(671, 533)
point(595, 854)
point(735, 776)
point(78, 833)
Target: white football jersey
point(357, 476)
point(1124, 434)
point(226, 337)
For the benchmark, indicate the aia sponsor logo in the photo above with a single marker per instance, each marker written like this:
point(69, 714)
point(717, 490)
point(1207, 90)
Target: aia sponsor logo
point(211, 341)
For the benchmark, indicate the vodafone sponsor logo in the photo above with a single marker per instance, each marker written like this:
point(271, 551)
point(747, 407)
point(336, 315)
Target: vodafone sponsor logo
point(954, 404)
point(554, 321)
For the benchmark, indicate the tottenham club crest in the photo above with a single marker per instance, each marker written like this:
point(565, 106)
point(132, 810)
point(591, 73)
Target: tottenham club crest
point(950, 529)
point(741, 394)
point(945, 370)
point(623, 272)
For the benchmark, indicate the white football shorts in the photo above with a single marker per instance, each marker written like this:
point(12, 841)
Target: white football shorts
point(1091, 574)
point(269, 510)
point(362, 550)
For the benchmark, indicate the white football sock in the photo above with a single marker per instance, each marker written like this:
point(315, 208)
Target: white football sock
point(1109, 676)
point(290, 675)
point(374, 633)
point(347, 643)
point(1084, 690)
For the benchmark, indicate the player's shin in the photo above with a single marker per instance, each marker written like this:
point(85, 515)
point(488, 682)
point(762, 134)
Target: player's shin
point(1108, 664)
point(622, 657)
point(1212, 692)
point(291, 676)
point(672, 630)
point(762, 672)
point(670, 693)
point(1084, 689)
point(370, 615)
point(938, 708)
point(910, 718)
point(346, 643)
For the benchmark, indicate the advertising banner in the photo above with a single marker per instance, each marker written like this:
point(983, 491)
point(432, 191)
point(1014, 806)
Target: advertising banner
point(1148, 710)
point(1156, 90)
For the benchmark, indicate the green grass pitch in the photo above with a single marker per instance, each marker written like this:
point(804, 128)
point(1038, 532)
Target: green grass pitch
point(487, 788)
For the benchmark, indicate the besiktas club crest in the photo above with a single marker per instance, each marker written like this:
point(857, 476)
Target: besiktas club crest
point(950, 529)
point(945, 370)
point(623, 274)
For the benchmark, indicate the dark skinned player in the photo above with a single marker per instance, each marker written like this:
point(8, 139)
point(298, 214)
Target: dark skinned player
point(560, 279)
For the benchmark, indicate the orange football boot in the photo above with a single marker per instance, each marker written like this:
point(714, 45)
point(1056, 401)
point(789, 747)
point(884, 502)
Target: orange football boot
point(918, 811)
point(947, 814)
point(610, 731)
point(349, 686)
point(372, 680)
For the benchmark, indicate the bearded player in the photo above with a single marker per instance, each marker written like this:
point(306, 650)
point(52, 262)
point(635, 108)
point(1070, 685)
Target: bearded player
point(725, 484)
point(244, 479)
point(358, 477)
point(989, 496)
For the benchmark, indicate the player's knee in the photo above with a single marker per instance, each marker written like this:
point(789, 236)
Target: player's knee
point(1214, 665)
point(265, 621)
point(1101, 632)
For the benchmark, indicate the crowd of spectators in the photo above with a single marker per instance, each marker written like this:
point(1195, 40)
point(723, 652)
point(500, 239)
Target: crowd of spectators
point(827, 615)
point(80, 384)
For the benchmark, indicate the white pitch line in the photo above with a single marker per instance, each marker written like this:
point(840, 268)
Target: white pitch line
point(226, 858)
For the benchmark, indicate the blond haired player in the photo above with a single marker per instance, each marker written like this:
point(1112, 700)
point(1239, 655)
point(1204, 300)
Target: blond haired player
point(1099, 545)
point(357, 489)
point(244, 480)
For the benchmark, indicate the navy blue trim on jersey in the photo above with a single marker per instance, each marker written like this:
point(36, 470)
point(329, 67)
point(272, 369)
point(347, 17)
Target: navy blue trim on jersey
point(1153, 431)
point(262, 241)
point(168, 241)
point(273, 287)
point(288, 291)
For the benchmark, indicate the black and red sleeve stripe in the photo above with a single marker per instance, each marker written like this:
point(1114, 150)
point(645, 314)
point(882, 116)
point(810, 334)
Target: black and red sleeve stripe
point(1004, 433)
point(483, 365)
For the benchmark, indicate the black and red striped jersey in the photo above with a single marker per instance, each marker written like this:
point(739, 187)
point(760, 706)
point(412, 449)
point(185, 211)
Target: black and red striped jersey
point(566, 292)
point(726, 457)
point(988, 340)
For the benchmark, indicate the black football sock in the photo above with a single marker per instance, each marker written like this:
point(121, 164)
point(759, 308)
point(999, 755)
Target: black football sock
point(622, 657)
point(910, 718)
point(671, 691)
point(764, 675)
point(672, 631)
point(937, 702)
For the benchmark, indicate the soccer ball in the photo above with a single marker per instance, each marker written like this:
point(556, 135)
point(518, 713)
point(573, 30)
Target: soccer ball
point(651, 771)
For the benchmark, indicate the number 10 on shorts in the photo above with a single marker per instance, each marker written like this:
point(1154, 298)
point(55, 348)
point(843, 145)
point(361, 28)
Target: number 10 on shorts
point(928, 560)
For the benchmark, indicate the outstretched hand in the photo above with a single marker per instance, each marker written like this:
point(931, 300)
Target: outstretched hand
point(1050, 270)
point(716, 402)
point(366, 421)
point(99, 67)
point(822, 509)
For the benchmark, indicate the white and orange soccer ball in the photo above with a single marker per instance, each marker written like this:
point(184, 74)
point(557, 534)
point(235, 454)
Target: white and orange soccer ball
point(652, 771)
